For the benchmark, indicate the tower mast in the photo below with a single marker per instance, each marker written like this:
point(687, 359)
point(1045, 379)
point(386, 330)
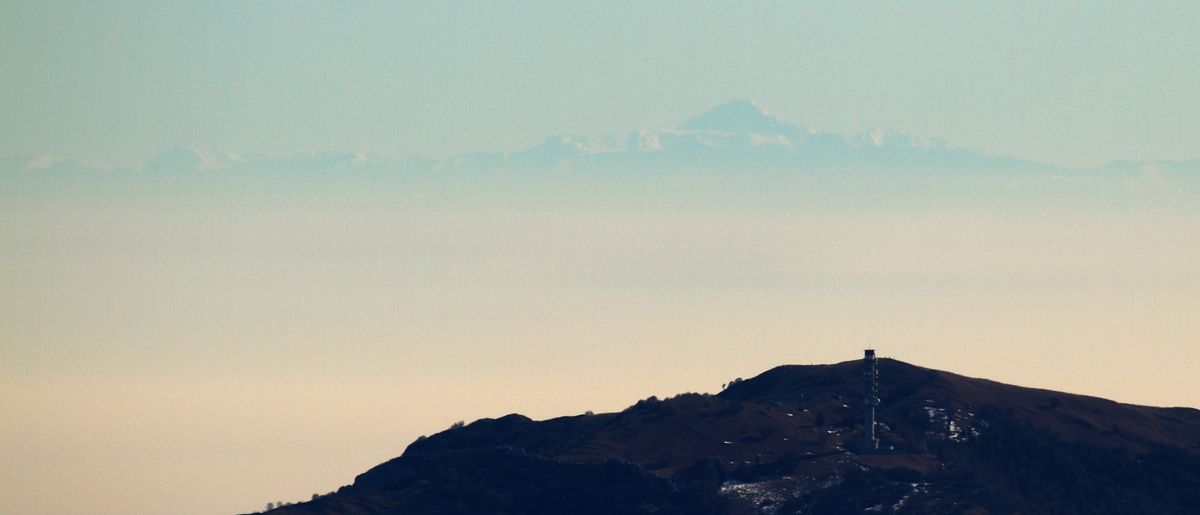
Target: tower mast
point(870, 400)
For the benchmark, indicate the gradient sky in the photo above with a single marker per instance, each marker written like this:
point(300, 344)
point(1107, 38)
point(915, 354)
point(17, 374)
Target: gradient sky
point(211, 358)
point(114, 83)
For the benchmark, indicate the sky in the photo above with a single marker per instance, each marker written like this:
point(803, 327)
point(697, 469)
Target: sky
point(115, 83)
point(165, 354)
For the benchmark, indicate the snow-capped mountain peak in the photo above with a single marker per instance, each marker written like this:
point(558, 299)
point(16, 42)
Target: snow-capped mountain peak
point(741, 116)
point(885, 138)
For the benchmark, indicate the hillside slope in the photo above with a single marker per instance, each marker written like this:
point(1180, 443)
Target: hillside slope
point(785, 442)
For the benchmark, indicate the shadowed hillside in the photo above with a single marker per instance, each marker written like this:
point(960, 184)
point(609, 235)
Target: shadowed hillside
point(785, 442)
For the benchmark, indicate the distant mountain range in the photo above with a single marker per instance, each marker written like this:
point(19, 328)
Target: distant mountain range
point(734, 153)
point(787, 442)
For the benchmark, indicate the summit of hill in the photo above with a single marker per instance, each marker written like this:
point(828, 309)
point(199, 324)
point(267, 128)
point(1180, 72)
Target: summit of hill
point(788, 441)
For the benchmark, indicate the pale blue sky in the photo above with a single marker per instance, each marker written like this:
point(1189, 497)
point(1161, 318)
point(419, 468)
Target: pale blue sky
point(114, 83)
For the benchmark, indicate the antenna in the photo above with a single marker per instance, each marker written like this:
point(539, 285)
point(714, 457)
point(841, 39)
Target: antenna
point(870, 400)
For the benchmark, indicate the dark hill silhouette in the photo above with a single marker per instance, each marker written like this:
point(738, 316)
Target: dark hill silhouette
point(784, 442)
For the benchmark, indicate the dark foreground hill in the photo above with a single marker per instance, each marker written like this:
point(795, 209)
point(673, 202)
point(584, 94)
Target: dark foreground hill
point(787, 442)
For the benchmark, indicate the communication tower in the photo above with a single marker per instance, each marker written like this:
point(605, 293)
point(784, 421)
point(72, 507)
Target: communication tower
point(870, 399)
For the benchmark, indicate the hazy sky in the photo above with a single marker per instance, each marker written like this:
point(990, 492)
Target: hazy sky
point(213, 356)
point(114, 83)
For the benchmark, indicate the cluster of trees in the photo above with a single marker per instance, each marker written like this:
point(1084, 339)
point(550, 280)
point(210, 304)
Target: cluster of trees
point(280, 504)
